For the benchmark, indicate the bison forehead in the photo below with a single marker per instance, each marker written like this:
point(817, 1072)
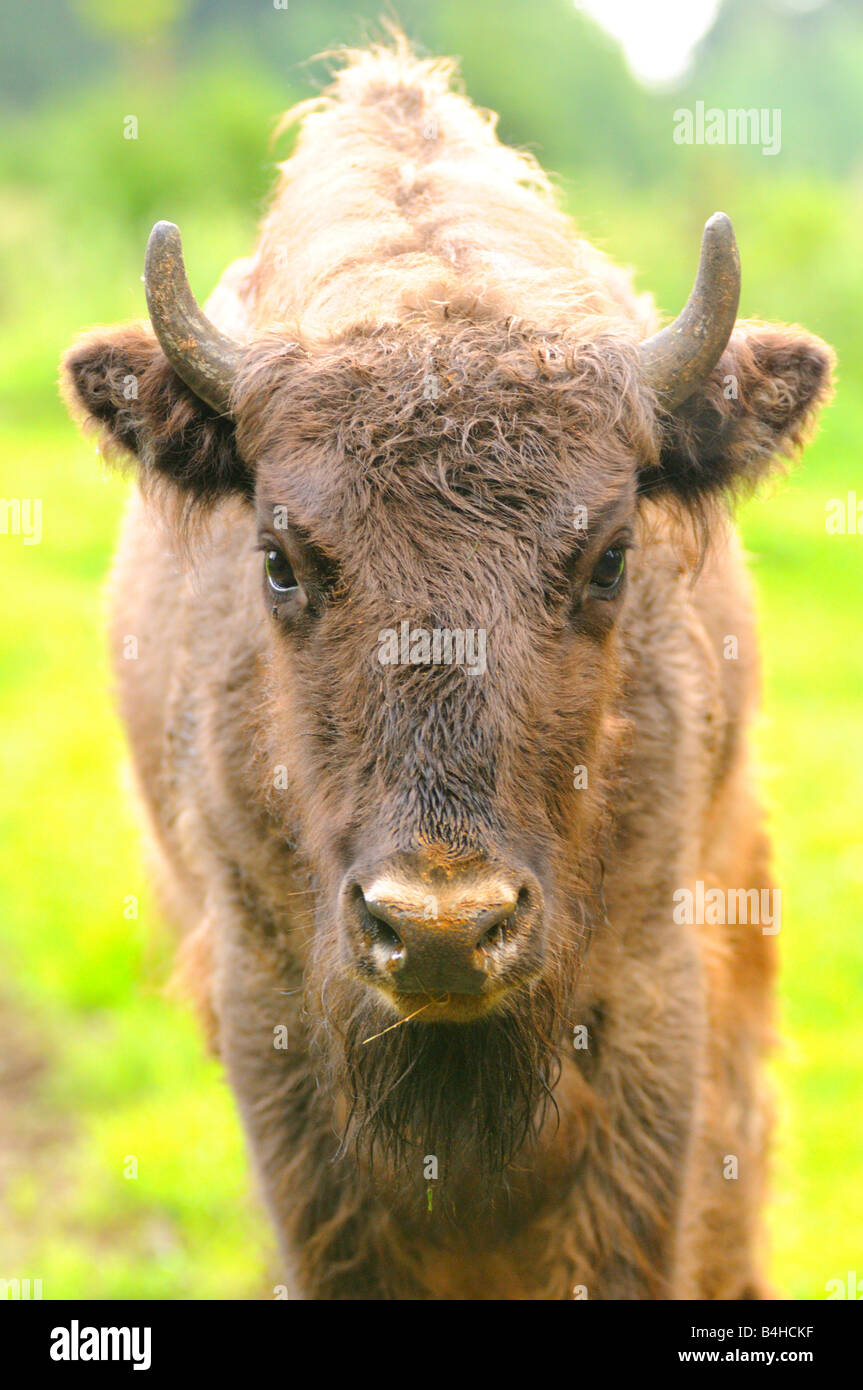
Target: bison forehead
point(492, 403)
point(518, 488)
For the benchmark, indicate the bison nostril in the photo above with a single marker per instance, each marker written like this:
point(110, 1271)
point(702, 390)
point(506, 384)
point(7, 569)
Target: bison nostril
point(381, 934)
point(381, 938)
point(506, 926)
point(496, 934)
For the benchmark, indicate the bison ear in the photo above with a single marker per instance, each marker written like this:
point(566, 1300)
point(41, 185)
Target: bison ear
point(123, 385)
point(761, 401)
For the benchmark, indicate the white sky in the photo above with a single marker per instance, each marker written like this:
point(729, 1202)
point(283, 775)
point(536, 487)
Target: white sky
point(657, 35)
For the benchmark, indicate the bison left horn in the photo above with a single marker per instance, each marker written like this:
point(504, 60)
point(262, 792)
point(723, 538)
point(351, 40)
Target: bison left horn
point(677, 359)
point(202, 356)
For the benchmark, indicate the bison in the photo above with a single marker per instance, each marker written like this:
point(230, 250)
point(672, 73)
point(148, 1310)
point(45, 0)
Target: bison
point(444, 671)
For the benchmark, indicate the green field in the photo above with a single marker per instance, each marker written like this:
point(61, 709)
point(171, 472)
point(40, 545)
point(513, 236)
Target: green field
point(99, 1063)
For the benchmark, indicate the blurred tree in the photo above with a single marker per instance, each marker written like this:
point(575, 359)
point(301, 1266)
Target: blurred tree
point(144, 19)
point(804, 58)
point(559, 82)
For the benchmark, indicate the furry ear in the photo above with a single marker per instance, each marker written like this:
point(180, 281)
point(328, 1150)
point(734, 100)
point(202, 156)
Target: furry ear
point(121, 381)
point(760, 401)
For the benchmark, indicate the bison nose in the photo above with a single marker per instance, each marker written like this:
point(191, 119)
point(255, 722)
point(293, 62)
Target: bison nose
point(453, 940)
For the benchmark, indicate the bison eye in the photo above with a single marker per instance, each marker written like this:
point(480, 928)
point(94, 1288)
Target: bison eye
point(280, 576)
point(608, 572)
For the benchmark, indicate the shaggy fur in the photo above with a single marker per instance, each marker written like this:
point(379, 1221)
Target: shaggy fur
point(438, 372)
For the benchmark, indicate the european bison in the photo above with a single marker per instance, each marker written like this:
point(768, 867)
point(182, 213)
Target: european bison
point(445, 666)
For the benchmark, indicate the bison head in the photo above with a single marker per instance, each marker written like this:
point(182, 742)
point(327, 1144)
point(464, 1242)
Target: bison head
point(451, 518)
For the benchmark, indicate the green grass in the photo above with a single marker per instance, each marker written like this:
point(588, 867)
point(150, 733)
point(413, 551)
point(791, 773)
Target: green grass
point(113, 1068)
point(810, 596)
point(125, 1073)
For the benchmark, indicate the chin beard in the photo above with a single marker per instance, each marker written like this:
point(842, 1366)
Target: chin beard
point(474, 1095)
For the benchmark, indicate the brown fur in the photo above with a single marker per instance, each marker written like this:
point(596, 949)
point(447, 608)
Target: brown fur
point(406, 246)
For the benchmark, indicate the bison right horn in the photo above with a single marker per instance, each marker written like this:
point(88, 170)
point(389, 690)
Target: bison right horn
point(677, 359)
point(202, 356)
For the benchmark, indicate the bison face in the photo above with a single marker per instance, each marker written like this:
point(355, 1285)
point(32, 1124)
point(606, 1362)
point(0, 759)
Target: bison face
point(445, 530)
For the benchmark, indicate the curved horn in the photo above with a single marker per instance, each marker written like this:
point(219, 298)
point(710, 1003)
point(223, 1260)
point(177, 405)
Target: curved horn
point(678, 358)
point(205, 359)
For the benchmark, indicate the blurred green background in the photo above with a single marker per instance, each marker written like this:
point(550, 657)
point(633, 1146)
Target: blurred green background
point(99, 1064)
